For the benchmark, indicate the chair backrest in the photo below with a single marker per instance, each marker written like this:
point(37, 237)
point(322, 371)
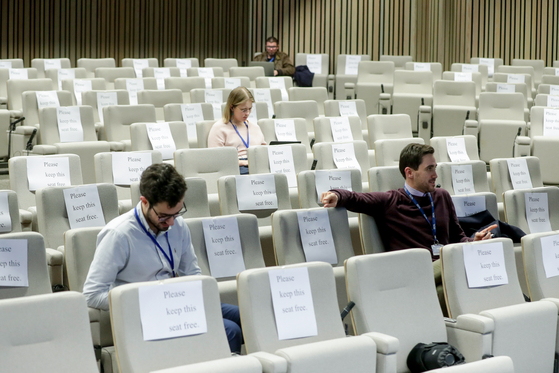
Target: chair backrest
point(19, 181)
point(545, 100)
point(323, 129)
point(48, 119)
point(441, 149)
point(500, 175)
point(224, 82)
point(224, 63)
point(268, 127)
point(491, 68)
point(17, 63)
point(302, 59)
point(476, 77)
point(371, 241)
point(140, 356)
point(97, 84)
point(323, 153)
point(460, 298)
point(119, 118)
point(39, 64)
point(79, 249)
point(37, 272)
point(5, 76)
point(159, 99)
point(110, 74)
point(185, 84)
point(399, 61)
point(12, 212)
point(90, 98)
point(251, 72)
point(387, 152)
point(173, 112)
point(149, 72)
point(550, 79)
point(229, 204)
point(471, 68)
point(341, 62)
point(172, 62)
point(332, 109)
point(209, 164)
point(524, 87)
point(140, 140)
point(414, 82)
point(195, 197)
point(308, 196)
point(544, 88)
point(535, 252)
point(90, 64)
point(518, 69)
point(62, 327)
point(435, 67)
point(16, 87)
point(385, 178)
point(259, 161)
point(264, 81)
point(248, 233)
point(195, 71)
point(447, 92)
point(298, 109)
point(515, 206)
point(377, 72)
point(52, 216)
point(287, 237)
point(31, 108)
point(537, 120)
point(198, 95)
point(318, 94)
point(148, 83)
point(537, 65)
point(402, 304)
point(255, 304)
point(501, 106)
point(52, 74)
point(395, 126)
point(130, 62)
point(446, 170)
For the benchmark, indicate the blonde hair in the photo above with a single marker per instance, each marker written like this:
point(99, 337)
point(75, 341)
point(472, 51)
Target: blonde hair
point(237, 96)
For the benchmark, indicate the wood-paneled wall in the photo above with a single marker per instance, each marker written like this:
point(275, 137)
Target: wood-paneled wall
point(446, 31)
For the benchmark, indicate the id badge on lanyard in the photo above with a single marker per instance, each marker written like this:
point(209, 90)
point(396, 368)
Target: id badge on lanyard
point(436, 246)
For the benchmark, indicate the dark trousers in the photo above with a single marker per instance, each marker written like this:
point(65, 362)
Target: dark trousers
point(232, 322)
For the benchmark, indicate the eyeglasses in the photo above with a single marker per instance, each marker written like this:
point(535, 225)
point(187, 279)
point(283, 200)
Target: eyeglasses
point(271, 47)
point(246, 110)
point(164, 218)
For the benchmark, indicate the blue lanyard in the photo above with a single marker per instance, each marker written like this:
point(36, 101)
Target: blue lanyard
point(248, 134)
point(169, 257)
point(433, 224)
point(272, 59)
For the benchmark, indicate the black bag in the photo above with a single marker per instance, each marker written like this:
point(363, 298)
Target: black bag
point(303, 76)
point(424, 357)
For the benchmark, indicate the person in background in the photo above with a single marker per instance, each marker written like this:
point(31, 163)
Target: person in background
point(281, 60)
point(234, 129)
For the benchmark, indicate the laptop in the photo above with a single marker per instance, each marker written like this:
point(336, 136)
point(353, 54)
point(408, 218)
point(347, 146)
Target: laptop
point(268, 66)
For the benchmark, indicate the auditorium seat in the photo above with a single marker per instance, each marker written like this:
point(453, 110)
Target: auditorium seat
point(78, 86)
point(230, 83)
point(307, 109)
point(319, 65)
point(16, 87)
point(412, 89)
point(471, 68)
point(252, 72)
point(399, 61)
point(435, 67)
point(90, 64)
point(140, 140)
point(185, 85)
point(346, 74)
point(373, 79)
point(51, 63)
point(138, 64)
point(323, 153)
point(197, 128)
point(172, 62)
point(112, 73)
point(91, 98)
point(6, 74)
point(71, 73)
point(385, 178)
point(542, 281)
point(225, 63)
point(159, 99)
point(118, 119)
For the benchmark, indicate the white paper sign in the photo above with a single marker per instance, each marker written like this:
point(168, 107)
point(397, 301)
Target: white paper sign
point(5, 219)
point(161, 139)
point(214, 97)
point(160, 73)
point(47, 99)
point(83, 207)
point(421, 66)
point(263, 95)
point(348, 109)
point(550, 255)
point(139, 65)
point(128, 166)
point(550, 122)
point(341, 130)
point(172, 310)
point(462, 179)
point(314, 63)
point(470, 68)
point(105, 99)
point(468, 205)
point(485, 264)
point(81, 85)
point(515, 78)
point(552, 101)
point(506, 88)
point(5, 64)
point(490, 63)
point(69, 124)
point(352, 64)
point(18, 74)
point(556, 71)
point(344, 156)
point(13, 263)
point(456, 149)
point(183, 64)
point(293, 304)
point(45, 172)
point(65, 74)
point(256, 192)
point(281, 162)
point(52, 64)
point(285, 129)
point(316, 236)
point(253, 116)
point(537, 212)
point(463, 77)
point(553, 90)
point(223, 246)
point(331, 179)
point(279, 83)
point(519, 173)
point(192, 113)
point(133, 86)
point(208, 74)
point(232, 83)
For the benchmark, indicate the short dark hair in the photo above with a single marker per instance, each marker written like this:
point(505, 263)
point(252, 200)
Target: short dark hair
point(412, 156)
point(272, 39)
point(161, 182)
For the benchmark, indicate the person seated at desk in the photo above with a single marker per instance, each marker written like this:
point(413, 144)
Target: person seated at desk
point(234, 129)
point(281, 60)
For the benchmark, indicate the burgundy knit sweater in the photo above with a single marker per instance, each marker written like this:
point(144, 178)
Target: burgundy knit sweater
point(401, 224)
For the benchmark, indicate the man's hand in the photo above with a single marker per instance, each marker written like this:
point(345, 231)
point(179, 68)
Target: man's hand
point(329, 199)
point(275, 73)
point(485, 234)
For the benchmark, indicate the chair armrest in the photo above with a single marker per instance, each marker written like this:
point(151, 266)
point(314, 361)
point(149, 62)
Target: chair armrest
point(45, 149)
point(387, 347)
point(54, 257)
point(270, 363)
point(116, 146)
point(424, 125)
point(24, 130)
point(471, 127)
point(25, 217)
point(16, 114)
point(472, 335)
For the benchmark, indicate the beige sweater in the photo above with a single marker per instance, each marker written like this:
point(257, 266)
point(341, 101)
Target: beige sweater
point(223, 134)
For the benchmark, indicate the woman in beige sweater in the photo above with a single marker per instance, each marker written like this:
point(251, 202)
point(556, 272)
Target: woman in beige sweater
point(234, 129)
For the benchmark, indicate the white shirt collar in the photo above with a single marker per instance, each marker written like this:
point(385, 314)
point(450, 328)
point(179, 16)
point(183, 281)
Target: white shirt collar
point(414, 192)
